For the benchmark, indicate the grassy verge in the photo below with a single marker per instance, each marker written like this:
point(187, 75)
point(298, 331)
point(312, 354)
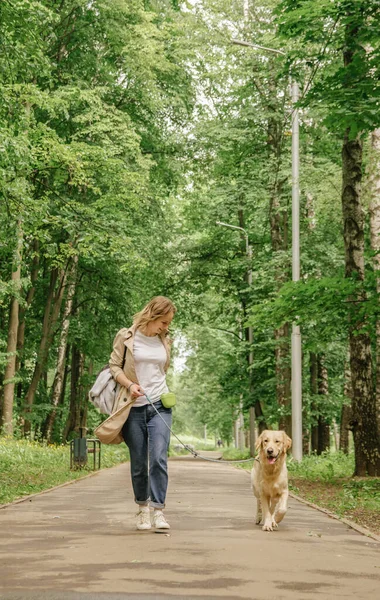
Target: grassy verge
point(327, 481)
point(236, 454)
point(30, 467)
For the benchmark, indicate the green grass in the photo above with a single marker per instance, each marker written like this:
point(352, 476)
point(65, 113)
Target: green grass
point(362, 491)
point(30, 467)
point(326, 467)
point(334, 472)
point(236, 454)
point(327, 481)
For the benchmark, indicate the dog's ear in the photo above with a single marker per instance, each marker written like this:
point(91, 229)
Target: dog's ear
point(259, 441)
point(287, 442)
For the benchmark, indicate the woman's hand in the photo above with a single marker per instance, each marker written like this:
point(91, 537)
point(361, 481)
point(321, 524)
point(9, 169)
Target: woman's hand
point(135, 390)
point(132, 388)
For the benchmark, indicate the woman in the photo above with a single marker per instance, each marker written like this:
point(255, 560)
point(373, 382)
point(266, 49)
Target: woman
point(146, 362)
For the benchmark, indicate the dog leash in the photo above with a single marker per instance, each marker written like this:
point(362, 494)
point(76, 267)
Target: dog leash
point(187, 448)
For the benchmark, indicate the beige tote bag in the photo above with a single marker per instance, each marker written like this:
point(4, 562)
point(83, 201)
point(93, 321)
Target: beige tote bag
point(108, 432)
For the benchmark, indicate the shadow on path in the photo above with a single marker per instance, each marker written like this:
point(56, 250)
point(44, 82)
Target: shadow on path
point(79, 543)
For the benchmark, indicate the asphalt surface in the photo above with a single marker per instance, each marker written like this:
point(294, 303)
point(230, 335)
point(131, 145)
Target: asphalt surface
point(79, 542)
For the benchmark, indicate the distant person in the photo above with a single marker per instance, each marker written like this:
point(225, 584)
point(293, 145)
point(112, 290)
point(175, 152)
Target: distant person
point(147, 360)
point(219, 443)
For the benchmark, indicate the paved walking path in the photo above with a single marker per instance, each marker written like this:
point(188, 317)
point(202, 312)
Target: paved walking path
point(78, 542)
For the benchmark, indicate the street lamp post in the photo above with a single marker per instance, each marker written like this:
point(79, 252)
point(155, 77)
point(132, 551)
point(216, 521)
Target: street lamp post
point(296, 334)
point(248, 251)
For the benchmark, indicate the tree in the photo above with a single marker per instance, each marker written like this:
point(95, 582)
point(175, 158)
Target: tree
point(374, 209)
point(10, 369)
point(97, 157)
point(350, 25)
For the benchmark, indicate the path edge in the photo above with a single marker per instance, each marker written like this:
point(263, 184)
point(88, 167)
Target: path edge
point(351, 524)
point(363, 530)
point(56, 487)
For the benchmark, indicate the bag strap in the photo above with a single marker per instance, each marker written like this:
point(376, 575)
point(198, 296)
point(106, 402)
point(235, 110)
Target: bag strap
point(125, 352)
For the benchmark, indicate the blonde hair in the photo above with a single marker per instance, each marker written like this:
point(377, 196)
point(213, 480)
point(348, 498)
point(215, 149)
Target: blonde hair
point(158, 307)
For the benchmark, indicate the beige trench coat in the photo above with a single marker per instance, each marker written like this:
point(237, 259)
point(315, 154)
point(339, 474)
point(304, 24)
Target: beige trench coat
point(109, 432)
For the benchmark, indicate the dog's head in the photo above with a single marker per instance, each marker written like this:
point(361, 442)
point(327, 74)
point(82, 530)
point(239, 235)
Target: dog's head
point(273, 444)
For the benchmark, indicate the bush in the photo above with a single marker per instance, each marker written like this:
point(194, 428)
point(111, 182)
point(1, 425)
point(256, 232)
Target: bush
point(326, 467)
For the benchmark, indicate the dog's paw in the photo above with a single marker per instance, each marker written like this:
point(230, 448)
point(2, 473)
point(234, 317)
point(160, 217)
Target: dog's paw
point(280, 515)
point(258, 520)
point(268, 526)
point(274, 525)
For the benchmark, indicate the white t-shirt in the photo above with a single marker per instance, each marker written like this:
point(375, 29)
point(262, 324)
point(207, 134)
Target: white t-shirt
point(150, 357)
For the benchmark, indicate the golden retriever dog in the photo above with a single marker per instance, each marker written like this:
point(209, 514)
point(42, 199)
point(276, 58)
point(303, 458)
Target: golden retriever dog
point(269, 478)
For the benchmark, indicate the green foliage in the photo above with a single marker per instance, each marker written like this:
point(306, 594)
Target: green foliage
point(327, 481)
point(211, 384)
point(239, 163)
point(236, 454)
point(325, 303)
point(326, 467)
point(339, 42)
point(357, 491)
point(127, 129)
point(90, 93)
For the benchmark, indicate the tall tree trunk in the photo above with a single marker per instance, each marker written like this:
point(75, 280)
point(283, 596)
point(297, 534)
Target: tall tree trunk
point(78, 405)
point(375, 244)
point(23, 310)
point(255, 412)
point(323, 390)
point(320, 430)
point(364, 417)
point(314, 407)
point(72, 420)
point(83, 397)
point(345, 420)
point(336, 434)
point(313, 435)
point(283, 377)
point(64, 386)
point(60, 370)
point(28, 301)
point(10, 369)
point(346, 414)
point(50, 319)
point(65, 375)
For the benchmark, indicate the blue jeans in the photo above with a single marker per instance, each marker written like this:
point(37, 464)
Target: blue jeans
point(147, 438)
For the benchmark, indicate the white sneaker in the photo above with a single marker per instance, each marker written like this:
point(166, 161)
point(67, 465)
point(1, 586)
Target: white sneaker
point(159, 521)
point(143, 518)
